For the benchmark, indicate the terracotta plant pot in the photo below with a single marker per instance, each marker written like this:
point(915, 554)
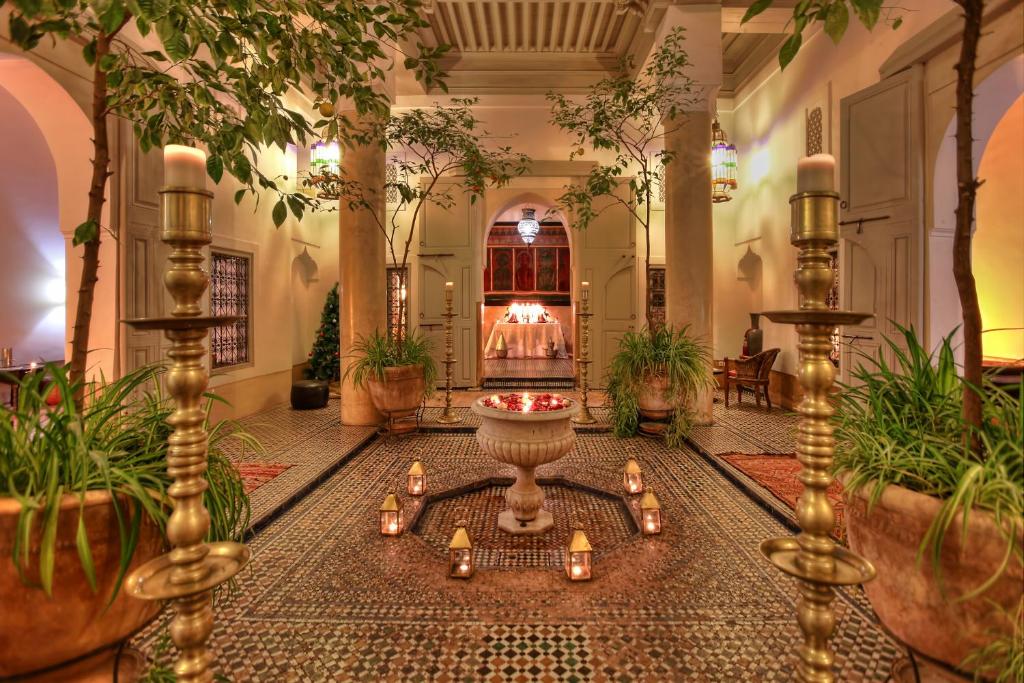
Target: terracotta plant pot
point(41, 631)
point(651, 401)
point(401, 391)
point(907, 597)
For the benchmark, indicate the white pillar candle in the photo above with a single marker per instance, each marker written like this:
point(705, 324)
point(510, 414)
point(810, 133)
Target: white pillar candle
point(585, 290)
point(184, 167)
point(449, 289)
point(816, 173)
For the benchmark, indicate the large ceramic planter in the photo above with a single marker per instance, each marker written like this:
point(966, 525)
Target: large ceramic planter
point(400, 393)
point(651, 400)
point(906, 596)
point(526, 441)
point(41, 631)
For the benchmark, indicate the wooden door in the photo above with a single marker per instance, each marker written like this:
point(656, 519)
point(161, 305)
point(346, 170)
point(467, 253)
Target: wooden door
point(142, 252)
point(447, 246)
point(881, 187)
point(607, 259)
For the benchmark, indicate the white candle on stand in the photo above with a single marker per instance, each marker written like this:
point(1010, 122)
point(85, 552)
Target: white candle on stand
point(585, 290)
point(816, 173)
point(449, 289)
point(184, 167)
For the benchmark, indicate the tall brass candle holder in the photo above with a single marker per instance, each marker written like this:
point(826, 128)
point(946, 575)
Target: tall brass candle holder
point(812, 557)
point(448, 416)
point(187, 574)
point(584, 417)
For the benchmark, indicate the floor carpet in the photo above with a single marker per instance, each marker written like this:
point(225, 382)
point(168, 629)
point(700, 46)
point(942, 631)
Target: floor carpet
point(256, 474)
point(327, 598)
point(777, 473)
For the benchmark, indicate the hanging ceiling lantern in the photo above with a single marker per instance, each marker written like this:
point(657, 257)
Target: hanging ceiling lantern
point(723, 165)
point(528, 227)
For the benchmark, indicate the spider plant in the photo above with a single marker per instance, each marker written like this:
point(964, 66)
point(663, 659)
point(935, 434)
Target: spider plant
point(375, 353)
point(116, 442)
point(684, 361)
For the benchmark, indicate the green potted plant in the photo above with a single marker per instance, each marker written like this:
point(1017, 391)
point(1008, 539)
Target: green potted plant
point(82, 502)
point(656, 374)
point(942, 524)
point(398, 372)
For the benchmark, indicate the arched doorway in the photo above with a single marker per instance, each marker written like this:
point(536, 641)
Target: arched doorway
point(527, 321)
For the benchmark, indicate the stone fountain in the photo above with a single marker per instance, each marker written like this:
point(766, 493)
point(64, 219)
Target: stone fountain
point(525, 433)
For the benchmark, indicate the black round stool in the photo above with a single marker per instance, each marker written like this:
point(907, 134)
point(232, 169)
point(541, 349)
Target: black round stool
point(309, 393)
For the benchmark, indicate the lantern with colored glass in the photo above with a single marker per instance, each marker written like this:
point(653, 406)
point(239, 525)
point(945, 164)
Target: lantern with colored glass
point(632, 477)
point(460, 554)
point(391, 516)
point(650, 514)
point(417, 485)
point(723, 165)
point(578, 555)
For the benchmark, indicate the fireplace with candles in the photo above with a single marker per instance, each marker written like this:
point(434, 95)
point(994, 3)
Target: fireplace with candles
point(527, 284)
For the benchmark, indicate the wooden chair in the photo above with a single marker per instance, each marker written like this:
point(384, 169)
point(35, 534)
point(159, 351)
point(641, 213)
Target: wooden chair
point(751, 372)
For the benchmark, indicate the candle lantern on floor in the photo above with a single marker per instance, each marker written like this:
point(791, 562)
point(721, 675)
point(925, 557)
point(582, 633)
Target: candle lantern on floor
point(460, 554)
point(417, 485)
point(632, 477)
point(391, 516)
point(578, 555)
point(650, 514)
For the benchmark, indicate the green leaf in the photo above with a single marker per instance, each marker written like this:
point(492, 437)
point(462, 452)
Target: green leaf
point(279, 213)
point(84, 551)
point(755, 8)
point(837, 20)
point(296, 206)
point(48, 543)
point(112, 16)
point(789, 49)
point(867, 11)
point(89, 52)
point(86, 232)
point(239, 195)
point(215, 167)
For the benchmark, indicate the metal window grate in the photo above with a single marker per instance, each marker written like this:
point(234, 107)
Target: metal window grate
point(230, 294)
point(394, 299)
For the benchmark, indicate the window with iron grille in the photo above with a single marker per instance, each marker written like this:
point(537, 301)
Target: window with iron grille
point(395, 296)
point(230, 294)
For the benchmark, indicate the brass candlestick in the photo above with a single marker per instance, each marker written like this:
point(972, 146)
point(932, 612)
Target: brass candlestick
point(584, 417)
point(448, 416)
point(187, 574)
point(812, 557)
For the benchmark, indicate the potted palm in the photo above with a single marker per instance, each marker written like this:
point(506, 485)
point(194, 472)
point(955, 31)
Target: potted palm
point(83, 502)
point(943, 525)
point(656, 374)
point(398, 372)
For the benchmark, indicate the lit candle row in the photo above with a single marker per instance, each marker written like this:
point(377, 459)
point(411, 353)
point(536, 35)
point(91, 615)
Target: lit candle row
point(650, 508)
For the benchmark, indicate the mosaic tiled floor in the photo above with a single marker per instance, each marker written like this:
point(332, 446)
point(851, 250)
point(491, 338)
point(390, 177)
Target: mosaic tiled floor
point(604, 517)
point(308, 443)
point(328, 598)
point(529, 367)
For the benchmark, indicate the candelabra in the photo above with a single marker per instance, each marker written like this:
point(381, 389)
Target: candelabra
point(187, 574)
point(448, 416)
point(811, 557)
point(584, 416)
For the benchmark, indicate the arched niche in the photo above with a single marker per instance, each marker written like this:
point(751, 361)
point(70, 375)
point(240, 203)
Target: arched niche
point(993, 98)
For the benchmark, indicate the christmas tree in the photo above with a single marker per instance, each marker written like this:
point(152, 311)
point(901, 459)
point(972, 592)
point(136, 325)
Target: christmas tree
point(325, 358)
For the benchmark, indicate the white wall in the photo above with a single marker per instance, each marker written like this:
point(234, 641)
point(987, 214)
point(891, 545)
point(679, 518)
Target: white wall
point(768, 127)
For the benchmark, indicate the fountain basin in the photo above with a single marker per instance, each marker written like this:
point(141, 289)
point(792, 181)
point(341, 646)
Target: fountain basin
point(525, 440)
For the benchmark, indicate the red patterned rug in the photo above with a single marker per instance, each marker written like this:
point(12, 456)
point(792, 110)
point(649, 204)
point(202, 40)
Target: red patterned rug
point(777, 473)
point(256, 474)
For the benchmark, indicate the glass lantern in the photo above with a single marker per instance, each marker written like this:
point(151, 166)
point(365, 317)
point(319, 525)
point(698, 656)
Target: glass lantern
point(632, 477)
point(460, 554)
point(578, 555)
point(723, 165)
point(390, 516)
point(650, 514)
point(417, 484)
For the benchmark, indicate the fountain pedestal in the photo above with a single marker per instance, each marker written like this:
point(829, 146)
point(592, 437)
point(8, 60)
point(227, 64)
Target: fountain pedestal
point(525, 440)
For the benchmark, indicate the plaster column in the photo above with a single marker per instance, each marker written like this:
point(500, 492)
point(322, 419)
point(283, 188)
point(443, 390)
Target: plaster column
point(689, 258)
point(361, 273)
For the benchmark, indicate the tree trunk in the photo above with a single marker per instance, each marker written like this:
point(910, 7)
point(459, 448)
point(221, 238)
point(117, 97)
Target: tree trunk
point(967, 186)
point(97, 198)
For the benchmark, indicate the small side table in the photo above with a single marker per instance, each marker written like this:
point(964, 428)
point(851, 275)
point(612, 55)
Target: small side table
point(12, 376)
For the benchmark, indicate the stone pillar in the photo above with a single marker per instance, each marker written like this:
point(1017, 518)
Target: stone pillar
point(689, 259)
point(362, 274)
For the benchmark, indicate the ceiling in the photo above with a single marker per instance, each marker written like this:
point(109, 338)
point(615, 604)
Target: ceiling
point(534, 46)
